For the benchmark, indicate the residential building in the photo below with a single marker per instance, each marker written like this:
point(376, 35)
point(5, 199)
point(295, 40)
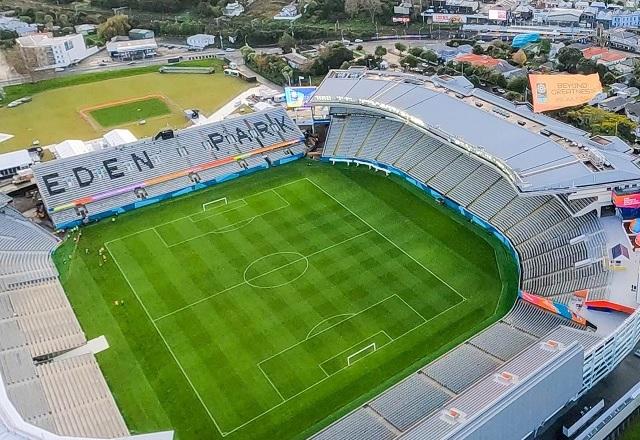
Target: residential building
point(632, 110)
point(296, 60)
point(499, 65)
point(141, 34)
point(86, 29)
point(233, 9)
point(44, 51)
point(603, 56)
point(14, 24)
point(123, 48)
point(613, 104)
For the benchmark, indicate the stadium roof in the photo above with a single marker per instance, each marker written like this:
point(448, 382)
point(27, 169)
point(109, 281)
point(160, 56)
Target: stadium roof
point(536, 152)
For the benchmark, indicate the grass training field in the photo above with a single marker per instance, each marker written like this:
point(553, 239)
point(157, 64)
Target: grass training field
point(268, 306)
point(56, 114)
point(129, 112)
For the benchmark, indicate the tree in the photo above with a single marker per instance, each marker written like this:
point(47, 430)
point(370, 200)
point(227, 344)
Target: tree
point(569, 58)
point(345, 65)
point(400, 47)
point(286, 42)
point(429, 55)
point(410, 61)
point(352, 7)
point(478, 50)
point(517, 84)
point(374, 7)
point(380, 51)
point(114, 26)
point(598, 121)
point(544, 47)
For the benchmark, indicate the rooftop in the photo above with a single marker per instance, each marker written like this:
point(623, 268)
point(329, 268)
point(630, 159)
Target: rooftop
point(537, 153)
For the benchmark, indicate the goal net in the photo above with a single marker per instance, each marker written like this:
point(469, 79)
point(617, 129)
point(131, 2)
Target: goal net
point(214, 204)
point(354, 357)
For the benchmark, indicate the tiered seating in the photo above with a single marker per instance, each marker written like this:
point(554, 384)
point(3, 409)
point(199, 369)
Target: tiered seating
point(359, 425)
point(540, 227)
point(434, 163)
point(502, 341)
point(410, 400)
point(535, 321)
point(404, 139)
point(129, 166)
point(335, 131)
point(81, 403)
point(37, 321)
point(461, 367)
point(575, 206)
point(382, 131)
point(453, 174)
point(354, 134)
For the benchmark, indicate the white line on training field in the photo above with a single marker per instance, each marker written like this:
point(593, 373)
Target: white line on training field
point(175, 358)
point(387, 238)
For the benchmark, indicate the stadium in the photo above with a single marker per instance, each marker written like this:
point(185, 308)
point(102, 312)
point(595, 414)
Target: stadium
point(453, 266)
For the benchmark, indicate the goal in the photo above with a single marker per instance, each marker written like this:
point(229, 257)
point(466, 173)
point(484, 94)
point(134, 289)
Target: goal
point(214, 204)
point(354, 357)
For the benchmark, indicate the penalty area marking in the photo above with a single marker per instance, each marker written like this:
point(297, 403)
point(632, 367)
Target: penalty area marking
point(175, 358)
point(348, 315)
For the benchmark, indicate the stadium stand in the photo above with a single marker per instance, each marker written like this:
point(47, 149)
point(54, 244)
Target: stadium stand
point(37, 323)
point(112, 180)
point(560, 244)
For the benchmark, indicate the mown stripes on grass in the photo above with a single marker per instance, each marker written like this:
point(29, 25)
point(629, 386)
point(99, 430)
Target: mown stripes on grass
point(222, 329)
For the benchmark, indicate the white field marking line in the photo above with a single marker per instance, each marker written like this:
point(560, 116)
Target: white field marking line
point(325, 320)
point(221, 199)
point(261, 275)
point(414, 310)
point(175, 358)
point(272, 384)
point(122, 237)
point(346, 350)
point(388, 239)
point(327, 329)
point(327, 378)
point(302, 258)
point(215, 214)
point(239, 224)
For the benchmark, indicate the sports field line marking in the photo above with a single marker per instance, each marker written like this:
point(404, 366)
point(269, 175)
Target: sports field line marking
point(326, 329)
point(194, 194)
point(201, 300)
point(346, 350)
point(326, 378)
point(272, 384)
point(388, 239)
point(302, 258)
point(173, 355)
point(325, 320)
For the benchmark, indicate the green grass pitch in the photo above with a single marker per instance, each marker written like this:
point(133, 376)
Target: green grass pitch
point(269, 306)
point(120, 114)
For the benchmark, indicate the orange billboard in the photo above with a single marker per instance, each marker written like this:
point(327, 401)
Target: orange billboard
point(551, 92)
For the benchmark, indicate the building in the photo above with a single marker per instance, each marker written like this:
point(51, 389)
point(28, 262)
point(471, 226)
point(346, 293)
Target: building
point(296, 60)
point(489, 62)
point(44, 51)
point(613, 104)
point(11, 163)
point(14, 24)
point(603, 56)
point(613, 19)
point(86, 29)
point(123, 48)
point(623, 39)
point(632, 110)
point(288, 12)
point(141, 34)
point(233, 9)
point(558, 17)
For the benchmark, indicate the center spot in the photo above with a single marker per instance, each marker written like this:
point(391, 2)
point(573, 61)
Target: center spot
point(276, 270)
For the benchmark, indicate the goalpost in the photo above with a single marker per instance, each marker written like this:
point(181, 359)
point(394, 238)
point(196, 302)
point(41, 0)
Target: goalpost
point(214, 204)
point(367, 350)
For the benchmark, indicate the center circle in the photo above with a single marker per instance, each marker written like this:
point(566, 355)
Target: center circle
point(276, 270)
